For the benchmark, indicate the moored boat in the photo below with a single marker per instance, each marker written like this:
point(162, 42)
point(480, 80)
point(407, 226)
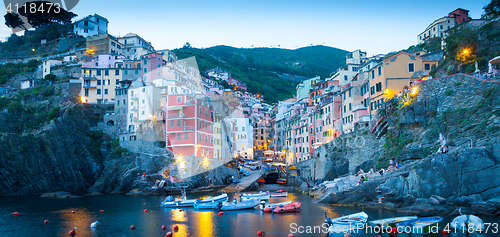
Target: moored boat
point(279, 193)
point(347, 223)
point(292, 207)
point(184, 202)
point(264, 205)
point(424, 225)
point(208, 205)
point(261, 195)
point(468, 223)
point(247, 204)
point(391, 222)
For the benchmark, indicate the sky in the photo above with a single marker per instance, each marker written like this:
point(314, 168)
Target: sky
point(373, 26)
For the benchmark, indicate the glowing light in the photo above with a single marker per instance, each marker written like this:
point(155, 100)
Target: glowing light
point(33, 50)
point(82, 99)
point(414, 91)
point(386, 91)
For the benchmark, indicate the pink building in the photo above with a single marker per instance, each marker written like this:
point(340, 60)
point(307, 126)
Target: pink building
point(460, 15)
point(189, 125)
point(151, 65)
point(237, 83)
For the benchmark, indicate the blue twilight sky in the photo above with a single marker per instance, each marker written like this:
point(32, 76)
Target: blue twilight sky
point(373, 26)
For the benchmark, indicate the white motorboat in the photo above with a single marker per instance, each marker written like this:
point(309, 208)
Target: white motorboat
point(345, 224)
point(261, 195)
point(467, 223)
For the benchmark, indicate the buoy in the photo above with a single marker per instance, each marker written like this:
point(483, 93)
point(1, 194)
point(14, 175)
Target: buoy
point(46, 222)
point(176, 227)
point(169, 234)
point(394, 230)
point(259, 232)
point(180, 210)
point(163, 227)
point(220, 213)
point(145, 210)
point(291, 235)
point(102, 211)
point(132, 227)
point(72, 232)
point(446, 231)
point(72, 212)
point(16, 213)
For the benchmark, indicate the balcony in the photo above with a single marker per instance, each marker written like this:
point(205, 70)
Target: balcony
point(134, 108)
point(89, 77)
point(134, 97)
point(88, 86)
point(358, 107)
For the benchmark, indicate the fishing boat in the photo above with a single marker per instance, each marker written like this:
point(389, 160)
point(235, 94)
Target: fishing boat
point(466, 223)
point(184, 202)
point(263, 205)
point(208, 205)
point(247, 204)
point(424, 225)
point(279, 193)
point(391, 222)
point(292, 207)
point(261, 195)
point(346, 223)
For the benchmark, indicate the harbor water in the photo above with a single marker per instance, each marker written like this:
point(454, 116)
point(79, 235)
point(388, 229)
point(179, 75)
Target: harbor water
point(122, 211)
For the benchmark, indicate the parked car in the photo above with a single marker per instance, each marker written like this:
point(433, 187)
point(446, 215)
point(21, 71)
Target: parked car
point(236, 181)
point(246, 174)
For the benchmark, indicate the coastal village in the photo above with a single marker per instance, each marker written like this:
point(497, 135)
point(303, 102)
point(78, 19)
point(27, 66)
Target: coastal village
point(381, 131)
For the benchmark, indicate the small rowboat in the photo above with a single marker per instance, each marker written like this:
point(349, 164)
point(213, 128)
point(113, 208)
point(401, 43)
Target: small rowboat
point(261, 196)
point(422, 225)
point(279, 193)
point(391, 222)
point(467, 222)
point(292, 207)
point(264, 205)
point(346, 223)
point(248, 204)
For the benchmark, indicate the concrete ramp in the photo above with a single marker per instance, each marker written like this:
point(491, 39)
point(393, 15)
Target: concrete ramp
point(245, 182)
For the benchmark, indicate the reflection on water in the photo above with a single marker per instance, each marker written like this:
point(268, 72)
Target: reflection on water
point(122, 211)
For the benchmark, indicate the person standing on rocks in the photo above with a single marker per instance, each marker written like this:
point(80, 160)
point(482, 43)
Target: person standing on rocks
point(379, 194)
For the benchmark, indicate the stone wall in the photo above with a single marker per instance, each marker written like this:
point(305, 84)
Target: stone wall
point(456, 91)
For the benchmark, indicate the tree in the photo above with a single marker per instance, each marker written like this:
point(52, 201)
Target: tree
point(187, 45)
point(50, 77)
point(492, 9)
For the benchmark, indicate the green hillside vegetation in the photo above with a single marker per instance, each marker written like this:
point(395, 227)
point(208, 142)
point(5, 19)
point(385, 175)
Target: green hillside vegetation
point(261, 68)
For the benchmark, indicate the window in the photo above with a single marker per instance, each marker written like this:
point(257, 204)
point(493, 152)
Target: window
point(171, 123)
point(186, 136)
point(350, 93)
point(179, 99)
point(145, 70)
point(124, 101)
point(379, 71)
point(143, 101)
point(372, 90)
point(373, 74)
point(441, 27)
point(117, 72)
point(98, 82)
point(427, 66)
point(345, 77)
point(242, 128)
point(86, 92)
point(178, 122)
point(98, 91)
point(109, 82)
point(350, 107)
point(206, 138)
point(179, 136)
point(344, 109)
point(106, 72)
point(411, 67)
point(145, 62)
point(199, 124)
point(105, 91)
point(117, 82)
point(142, 112)
point(98, 72)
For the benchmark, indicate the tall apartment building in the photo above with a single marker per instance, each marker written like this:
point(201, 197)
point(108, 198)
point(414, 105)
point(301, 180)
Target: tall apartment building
point(91, 25)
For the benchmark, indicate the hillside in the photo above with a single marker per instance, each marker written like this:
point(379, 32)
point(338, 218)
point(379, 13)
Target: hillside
point(262, 68)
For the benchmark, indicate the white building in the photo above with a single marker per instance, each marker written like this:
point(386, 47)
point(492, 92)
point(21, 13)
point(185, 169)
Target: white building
point(91, 25)
point(135, 46)
point(243, 132)
point(436, 29)
point(345, 74)
point(47, 64)
point(28, 83)
point(144, 103)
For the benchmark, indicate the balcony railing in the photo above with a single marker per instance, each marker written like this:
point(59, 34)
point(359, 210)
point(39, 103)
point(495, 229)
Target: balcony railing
point(88, 86)
point(89, 77)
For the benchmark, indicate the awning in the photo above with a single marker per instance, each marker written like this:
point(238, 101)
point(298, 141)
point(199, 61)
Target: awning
point(495, 60)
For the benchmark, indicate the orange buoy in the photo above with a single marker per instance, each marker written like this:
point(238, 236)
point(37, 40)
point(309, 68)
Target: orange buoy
point(163, 227)
point(145, 210)
point(220, 213)
point(102, 211)
point(169, 234)
point(46, 222)
point(16, 213)
point(446, 231)
point(260, 232)
point(72, 212)
point(180, 210)
point(132, 227)
point(394, 230)
point(176, 227)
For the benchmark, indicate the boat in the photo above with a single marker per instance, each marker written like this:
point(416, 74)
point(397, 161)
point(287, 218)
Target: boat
point(264, 205)
point(247, 204)
point(261, 195)
point(292, 207)
point(391, 222)
point(347, 223)
point(279, 193)
point(466, 223)
point(424, 225)
point(208, 205)
point(184, 202)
